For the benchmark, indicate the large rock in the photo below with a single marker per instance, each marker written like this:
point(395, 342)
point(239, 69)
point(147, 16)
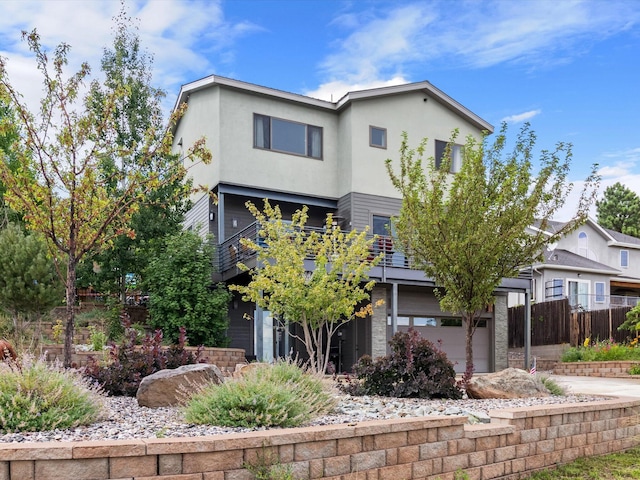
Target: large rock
point(508, 383)
point(168, 387)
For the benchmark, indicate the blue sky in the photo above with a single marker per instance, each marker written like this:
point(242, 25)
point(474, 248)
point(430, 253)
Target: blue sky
point(569, 67)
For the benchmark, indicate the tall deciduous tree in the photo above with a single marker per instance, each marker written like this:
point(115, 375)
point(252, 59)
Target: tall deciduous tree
point(28, 280)
point(61, 185)
point(182, 294)
point(319, 299)
point(469, 230)
point(619, 210)
point(161, 212)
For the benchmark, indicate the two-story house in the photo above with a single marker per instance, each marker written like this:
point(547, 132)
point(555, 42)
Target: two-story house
point(296, 150)
point(593, 267)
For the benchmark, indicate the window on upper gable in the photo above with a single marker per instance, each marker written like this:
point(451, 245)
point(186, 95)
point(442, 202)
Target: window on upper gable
point(583, 244)
point(271, 133)
point(377, 137)
point(455, 153)
point(624, 258)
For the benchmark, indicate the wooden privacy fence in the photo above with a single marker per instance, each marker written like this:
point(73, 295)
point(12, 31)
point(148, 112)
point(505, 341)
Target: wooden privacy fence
point(553, 323)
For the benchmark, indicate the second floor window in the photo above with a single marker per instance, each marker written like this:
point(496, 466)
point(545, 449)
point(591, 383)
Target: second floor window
point(377, 137)
point(456, 156)
point(624, 258)
point(271, 133)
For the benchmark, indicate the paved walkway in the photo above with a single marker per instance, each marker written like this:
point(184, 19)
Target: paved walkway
point(623, 387)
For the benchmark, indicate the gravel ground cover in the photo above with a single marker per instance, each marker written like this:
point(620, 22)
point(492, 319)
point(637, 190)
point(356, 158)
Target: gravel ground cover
point(126, 420)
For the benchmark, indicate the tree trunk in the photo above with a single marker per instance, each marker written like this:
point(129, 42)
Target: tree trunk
point(469, 329)
point(70, 295)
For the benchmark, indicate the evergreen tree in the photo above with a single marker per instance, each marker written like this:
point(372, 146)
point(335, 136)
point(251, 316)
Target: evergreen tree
point(28, 280)
point(619, 210)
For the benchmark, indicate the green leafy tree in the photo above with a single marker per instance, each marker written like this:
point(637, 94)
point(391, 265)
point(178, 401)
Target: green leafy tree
point(321, 300)
point(61, 185)
point(470, 230)
point(9, 134)
point(28, 280)
point(619, 210)
point(182, 294)
point(161, 212)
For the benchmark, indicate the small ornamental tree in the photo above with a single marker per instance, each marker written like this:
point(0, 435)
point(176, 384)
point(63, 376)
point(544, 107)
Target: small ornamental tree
point(61, 186)
point(471, 229)
point(182, 293)
point(320, 299)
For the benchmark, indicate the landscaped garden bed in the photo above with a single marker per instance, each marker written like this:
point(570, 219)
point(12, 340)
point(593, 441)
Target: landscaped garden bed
point(600, 359)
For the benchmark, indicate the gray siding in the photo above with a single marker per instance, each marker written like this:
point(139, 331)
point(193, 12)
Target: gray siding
point(197, 218)
point(359, 208)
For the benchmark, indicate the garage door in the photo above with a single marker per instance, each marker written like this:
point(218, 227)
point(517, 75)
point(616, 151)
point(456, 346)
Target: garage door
point(451, 333)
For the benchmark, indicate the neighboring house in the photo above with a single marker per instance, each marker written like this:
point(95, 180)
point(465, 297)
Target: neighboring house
point(593, 267)
point(330, 156)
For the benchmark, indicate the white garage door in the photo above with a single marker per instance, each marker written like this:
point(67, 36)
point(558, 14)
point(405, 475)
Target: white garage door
point(451, 333)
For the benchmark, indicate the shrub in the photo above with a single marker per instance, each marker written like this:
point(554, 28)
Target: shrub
point(635, 369)
point(282, 395)
point(415, 368)
point(601, 352)
point(128, 363)
point(552, 386)
point(37, 397)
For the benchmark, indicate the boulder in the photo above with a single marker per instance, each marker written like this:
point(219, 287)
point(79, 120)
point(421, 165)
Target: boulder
point(508, 383)
point(170, 387)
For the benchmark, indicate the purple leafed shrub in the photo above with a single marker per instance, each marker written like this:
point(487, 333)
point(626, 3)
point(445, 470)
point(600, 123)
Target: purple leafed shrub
point(128, 363)
point(414, 368)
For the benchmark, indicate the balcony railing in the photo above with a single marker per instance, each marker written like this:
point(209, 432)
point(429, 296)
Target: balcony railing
point(588, 302)
point(231, 251)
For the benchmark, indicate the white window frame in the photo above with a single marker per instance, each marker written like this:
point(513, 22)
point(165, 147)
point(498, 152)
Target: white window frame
point(456, 155)
point(383, 132)
point(579, 296)
point(266, 141)
point(600, 297)
point(624, 258)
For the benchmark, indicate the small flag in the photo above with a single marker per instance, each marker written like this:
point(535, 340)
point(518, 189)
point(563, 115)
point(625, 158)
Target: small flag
point(532, 371)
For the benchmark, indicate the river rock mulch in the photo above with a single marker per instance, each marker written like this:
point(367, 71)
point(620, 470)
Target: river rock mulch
point(126, 420)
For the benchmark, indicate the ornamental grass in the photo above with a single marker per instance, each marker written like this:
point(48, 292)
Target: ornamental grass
point(37, 397)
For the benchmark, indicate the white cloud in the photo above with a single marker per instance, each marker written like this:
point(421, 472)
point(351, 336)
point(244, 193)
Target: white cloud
point(169, 29)
point(468, 34)
point(333, 91)
point(618, 170)
point(521, 117)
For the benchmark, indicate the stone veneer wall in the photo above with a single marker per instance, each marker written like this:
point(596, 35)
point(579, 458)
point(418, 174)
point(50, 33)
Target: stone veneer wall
point(225, 359)
point(595, 369)
point(517, 442)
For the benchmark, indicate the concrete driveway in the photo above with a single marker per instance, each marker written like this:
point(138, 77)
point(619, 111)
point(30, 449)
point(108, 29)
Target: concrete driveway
point(622, 387)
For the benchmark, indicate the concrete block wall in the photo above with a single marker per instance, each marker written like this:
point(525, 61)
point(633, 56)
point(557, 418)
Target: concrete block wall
point(516, 443)
point(595, 369)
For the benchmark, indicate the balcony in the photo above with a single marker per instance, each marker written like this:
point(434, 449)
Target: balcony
point(231, 252)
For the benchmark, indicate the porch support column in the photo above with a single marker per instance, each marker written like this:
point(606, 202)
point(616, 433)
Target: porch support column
point(394, 308)
point(500, 333)
point(221, 236)
point(379, 323)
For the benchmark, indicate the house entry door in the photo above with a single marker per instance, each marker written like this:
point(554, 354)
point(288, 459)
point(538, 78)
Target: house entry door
point(578, 294)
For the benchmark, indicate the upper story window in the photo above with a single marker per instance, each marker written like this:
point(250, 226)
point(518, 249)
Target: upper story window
point(624, 258)
point(273, 133)
point(377, 137)
point(456, 155)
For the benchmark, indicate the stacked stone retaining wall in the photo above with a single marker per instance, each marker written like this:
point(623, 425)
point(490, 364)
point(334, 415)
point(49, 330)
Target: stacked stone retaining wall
point(516, 442)
point(225, 359)
point(595, 369)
